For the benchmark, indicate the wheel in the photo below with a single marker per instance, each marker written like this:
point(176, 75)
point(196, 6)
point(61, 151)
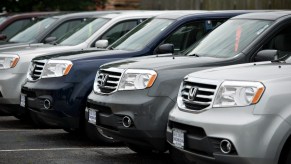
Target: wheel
point(22, 117)
point(287, 157)
point(143, 150)
point(72, 131)
point(37, 122)
point(97, 135)
point(178, 157)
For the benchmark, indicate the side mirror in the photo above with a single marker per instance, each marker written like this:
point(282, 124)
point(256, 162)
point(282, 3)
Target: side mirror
point(165, 49)
point(101, 43)
point(50, 39)
point(3, 37)
point(266, 55)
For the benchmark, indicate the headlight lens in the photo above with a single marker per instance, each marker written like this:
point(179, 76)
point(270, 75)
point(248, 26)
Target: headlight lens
point(8, 61)
point(133, 79)
point(238, 93)
point(56, 68)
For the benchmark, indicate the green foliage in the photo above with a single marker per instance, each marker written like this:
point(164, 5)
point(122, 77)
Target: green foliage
point(46, 5)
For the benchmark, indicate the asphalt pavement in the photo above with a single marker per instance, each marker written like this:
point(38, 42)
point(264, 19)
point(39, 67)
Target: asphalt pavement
point(22, 143)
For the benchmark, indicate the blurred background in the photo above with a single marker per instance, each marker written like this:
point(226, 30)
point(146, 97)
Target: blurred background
point(85, 5)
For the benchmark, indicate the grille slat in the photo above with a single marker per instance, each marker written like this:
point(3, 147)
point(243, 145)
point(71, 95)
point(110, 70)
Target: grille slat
point(203, 96)
point(108, 80)
point(196, 102)
point(36, 70)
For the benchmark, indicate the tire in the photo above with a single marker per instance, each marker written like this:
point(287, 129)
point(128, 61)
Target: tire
point(287, 159)
point(97, 135)
point(178, 157)
point(37, 122)
point(72, 131)
point(23, 117)
point(141, 150)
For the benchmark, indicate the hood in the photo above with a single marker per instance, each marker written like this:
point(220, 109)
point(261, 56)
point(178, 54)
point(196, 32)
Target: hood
point(263, 71)
point(35, 49)
point(69, 55)
point(87, 54)
point(20, 46)
point(165, 62)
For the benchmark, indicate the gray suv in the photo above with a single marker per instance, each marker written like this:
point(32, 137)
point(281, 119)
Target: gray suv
point(235, 114)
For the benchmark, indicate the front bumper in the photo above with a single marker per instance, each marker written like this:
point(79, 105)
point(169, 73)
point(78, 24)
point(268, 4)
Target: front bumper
point(65, 102)
point(256, 139)
point(10, 86)
point(148, 114)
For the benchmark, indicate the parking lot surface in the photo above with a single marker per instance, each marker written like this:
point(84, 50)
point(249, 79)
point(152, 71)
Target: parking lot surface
point(21, 142)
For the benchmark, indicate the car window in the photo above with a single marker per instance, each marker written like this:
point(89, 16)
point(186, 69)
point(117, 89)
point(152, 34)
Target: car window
point(64, 28)
point(281, 42)
point(29, 34)
point(189, 33)
point(16, 27)
point(82, 34)
point(142, 35)
point(119, 30)
point(230, 38)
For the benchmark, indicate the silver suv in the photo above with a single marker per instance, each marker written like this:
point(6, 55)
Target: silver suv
point(235, 114)
point(98, 33)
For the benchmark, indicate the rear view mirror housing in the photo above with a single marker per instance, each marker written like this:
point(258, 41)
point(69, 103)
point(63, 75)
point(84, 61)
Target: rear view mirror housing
point(165, 49)
point(101, 43)
point(50, 39)
point(266, 55)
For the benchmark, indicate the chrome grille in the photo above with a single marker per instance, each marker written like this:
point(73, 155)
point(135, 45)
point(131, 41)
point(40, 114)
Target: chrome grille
point(107, 80)
point(36, 69)
point(201, 99)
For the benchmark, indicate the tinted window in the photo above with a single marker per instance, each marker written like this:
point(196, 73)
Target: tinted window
point(142, 35)
point(31, 33)
point(84, 33)
point(16, 27)
point(119, 30)
point(64, 28)
point(281, 42)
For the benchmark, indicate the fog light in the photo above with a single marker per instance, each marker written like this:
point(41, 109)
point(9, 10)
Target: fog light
point(126, 121)
point(47, 104)
point(225, 146)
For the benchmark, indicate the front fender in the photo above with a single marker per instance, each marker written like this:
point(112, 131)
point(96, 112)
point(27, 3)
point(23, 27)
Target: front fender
point(168, 82)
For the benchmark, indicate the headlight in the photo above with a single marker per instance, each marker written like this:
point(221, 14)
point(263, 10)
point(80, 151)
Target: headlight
point(133, 79)
point(8, 61)
point(56, 68)
point(238, 93)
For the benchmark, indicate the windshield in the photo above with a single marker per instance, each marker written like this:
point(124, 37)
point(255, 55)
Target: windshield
point(30, 33)
point(2, 19)
point(230, 38)
point(142, 35)
point(82, 34)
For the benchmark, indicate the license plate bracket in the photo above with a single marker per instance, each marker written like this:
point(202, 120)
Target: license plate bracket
point(179, 138)
point(92, 116)
point(22, 100)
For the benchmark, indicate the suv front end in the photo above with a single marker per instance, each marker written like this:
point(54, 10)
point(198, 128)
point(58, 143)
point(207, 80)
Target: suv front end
point(11, 79)
point(52, 94)
point(131, 117)
point(227, 129)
